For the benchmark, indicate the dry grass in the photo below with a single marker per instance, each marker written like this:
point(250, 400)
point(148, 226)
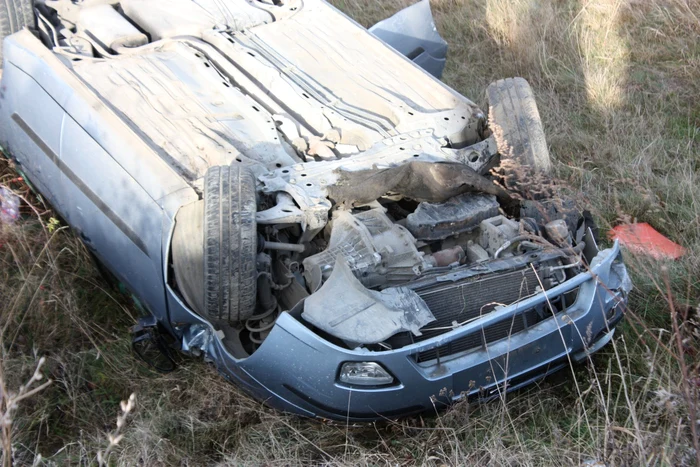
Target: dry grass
point(617, 83)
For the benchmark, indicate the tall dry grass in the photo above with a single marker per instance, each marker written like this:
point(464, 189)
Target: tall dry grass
point(617, 84)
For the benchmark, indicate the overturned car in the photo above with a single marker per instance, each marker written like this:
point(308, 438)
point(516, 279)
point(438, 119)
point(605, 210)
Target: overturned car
point(309, 209)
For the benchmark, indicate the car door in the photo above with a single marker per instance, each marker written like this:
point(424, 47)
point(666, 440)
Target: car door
point(32, 133)
point(115, 216)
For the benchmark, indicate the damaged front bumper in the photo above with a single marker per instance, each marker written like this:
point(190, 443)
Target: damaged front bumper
point(297, 371)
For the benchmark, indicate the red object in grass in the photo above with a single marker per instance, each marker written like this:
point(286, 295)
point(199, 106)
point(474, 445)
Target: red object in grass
point(644, 239)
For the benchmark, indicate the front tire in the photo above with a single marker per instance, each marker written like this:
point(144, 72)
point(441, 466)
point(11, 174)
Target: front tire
point(230, 243)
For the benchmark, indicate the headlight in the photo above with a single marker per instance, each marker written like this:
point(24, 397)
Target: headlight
point(364, 374)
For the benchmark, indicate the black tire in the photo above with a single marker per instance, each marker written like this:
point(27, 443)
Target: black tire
point(14, 16)
point(230, 243)
point(516, 124)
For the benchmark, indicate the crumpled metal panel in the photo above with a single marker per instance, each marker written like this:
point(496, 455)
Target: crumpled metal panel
point(413, 33)
point(344, 308)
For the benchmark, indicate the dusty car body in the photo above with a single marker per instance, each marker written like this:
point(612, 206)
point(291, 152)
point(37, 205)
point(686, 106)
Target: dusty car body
point(310, 210)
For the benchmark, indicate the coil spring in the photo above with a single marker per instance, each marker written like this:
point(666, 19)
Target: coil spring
point(258, 325)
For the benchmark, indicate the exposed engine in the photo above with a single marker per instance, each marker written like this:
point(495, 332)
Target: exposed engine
point(388, 273)
point(377, 251)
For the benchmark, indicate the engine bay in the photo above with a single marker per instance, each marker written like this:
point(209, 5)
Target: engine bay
point(361, 277)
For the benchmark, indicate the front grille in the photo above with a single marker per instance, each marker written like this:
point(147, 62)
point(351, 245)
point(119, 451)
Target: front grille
point(475, 297)
point(492, 333)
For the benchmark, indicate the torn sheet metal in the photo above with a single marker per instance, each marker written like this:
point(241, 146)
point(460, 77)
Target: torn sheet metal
point(413, 33)
point(433, 182)
point(344, 308)
point(197, 339)
point(620, 278)
point(431, 174)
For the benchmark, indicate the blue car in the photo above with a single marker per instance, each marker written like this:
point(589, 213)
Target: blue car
point(303, 203)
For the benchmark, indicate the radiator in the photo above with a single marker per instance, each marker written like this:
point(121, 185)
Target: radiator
point(474, 297)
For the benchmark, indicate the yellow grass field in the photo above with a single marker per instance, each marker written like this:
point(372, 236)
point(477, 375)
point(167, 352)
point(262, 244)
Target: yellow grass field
point(618, 87)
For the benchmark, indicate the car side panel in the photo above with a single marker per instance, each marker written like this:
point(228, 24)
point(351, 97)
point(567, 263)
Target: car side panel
point(53, 74)
point(113, 214)
point(32, 138)
point(99, 177)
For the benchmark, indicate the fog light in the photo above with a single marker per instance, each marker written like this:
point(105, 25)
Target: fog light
point(364, 374)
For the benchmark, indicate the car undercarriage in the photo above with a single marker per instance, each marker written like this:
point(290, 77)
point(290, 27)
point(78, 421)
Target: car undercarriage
point(281, 188)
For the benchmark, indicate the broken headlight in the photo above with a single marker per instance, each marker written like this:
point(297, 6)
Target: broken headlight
point(364, 374)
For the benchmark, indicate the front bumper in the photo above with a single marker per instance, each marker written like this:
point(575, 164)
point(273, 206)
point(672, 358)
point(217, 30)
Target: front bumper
point(295, 370)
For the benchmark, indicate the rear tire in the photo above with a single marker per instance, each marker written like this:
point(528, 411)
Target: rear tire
point(230, 244)
point(516, 124)
point(14, 16)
